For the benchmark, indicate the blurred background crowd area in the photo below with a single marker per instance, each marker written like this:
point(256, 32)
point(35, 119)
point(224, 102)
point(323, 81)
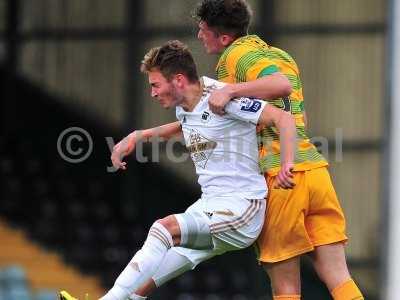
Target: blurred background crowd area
point(75, 63)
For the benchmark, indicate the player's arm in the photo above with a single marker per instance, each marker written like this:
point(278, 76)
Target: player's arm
point(259, 79)
point(285, 123)
point(127, 144)
point(271, 86)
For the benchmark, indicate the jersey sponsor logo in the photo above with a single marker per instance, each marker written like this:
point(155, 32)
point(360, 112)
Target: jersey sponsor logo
point(200, 148)
point(250, 105)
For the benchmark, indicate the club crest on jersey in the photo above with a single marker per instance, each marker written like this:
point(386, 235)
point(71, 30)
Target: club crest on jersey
point(205, 117)
point(250, 105)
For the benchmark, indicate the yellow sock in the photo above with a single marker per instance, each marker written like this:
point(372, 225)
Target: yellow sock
point(287, 297)
point(347, 291)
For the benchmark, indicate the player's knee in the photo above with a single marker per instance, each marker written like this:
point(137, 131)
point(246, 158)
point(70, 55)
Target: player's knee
point(170, 223)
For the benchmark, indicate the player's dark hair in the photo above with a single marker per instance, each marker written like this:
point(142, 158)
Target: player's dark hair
point(172, 58)
point(225, 16)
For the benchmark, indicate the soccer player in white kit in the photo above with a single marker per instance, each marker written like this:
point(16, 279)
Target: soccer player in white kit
point(230, 213)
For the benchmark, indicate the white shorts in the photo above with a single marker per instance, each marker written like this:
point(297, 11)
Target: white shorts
point(235, 223)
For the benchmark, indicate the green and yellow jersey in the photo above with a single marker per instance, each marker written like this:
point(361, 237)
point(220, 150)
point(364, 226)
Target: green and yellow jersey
point(249, 58)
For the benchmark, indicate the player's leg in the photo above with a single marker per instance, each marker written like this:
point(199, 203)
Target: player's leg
point(163, 235)
point(184, 259)
point(195, 229)
point(284, 237)
point(285, 278)
point(185, 230)
point(330, 264)
point(173, 265)
point(326, 228)
point(144, 290)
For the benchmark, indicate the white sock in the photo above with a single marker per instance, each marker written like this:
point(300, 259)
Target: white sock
point(143, 265)
point(173, 265)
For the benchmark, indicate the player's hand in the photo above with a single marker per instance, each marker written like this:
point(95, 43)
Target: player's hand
point(284, 179)
point(122, 149)
point(218, 99)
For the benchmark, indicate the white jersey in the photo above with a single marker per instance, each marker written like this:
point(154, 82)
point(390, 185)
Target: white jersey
point(224, 148)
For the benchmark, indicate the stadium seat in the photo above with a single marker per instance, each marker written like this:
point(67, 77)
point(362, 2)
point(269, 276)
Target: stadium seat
point(14, 284)
point(13, 276)
point(18, 293)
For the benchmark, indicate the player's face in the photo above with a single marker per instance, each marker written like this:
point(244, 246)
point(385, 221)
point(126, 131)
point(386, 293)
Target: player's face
point(211, 40)
point(163, 90)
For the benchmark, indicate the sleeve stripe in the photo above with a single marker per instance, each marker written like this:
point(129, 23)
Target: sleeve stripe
point(222, 72)
point(246, 62)
point(295, 81)
point(268, 71)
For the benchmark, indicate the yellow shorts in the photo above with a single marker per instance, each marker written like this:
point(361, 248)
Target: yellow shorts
point(297, 220)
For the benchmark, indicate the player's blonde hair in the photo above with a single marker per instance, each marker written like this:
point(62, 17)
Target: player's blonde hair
point(172, 58)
